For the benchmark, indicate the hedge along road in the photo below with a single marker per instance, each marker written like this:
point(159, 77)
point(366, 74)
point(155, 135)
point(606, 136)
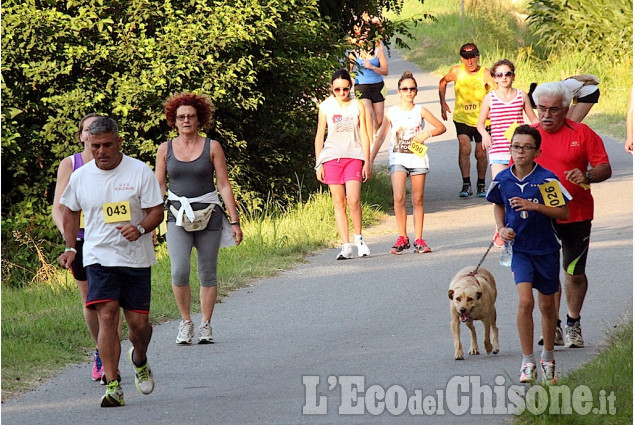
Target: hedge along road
point(302, 341)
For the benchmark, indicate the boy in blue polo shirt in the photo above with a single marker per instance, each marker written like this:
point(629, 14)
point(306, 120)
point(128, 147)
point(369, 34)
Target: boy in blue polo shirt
point(527, 201)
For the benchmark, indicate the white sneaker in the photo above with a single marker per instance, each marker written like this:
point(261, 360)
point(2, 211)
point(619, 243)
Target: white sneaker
point(573, 336)
point(205, 334)
point(186, 332)
point(557, 340)
point(528, 373)
point(549, 376)
point(346, 252)
point(362, 248)
point(143, 379)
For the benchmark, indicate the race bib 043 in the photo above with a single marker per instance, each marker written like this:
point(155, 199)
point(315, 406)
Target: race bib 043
point(116, 212)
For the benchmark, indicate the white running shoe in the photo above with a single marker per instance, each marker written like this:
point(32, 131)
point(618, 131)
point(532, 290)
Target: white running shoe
point(186, 332)
point(143, 379)
point(573, 336)
point(205, 334)
point(549, 376)
point(346, 252)
point(528, 373)
point(362, 248)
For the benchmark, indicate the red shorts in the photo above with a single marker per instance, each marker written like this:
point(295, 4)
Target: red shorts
point(339, 171)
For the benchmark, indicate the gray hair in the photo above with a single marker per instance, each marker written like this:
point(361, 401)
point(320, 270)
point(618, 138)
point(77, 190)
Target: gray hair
point(103, 125)
point(553, 89)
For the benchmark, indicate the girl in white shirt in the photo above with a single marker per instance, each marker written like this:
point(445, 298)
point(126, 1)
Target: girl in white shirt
point(408, 158)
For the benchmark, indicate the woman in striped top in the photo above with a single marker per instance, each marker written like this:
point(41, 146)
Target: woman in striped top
point(504, 107)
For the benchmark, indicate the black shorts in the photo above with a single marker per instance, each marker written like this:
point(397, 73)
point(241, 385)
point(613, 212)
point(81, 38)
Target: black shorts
point(469, 131)
point(370, 91)
point(590, 98)
point(77, 267)
point(128, 285)
point(575, 245)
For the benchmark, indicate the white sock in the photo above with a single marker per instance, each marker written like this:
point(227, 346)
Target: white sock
point(529, 358)
point(546, 356)
point(358, 239)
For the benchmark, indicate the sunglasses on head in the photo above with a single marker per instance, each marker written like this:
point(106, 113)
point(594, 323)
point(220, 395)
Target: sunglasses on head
point(341, 89)
point(503, 74)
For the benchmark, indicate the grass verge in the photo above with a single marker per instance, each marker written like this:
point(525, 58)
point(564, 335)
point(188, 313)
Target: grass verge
point(43, 327)
point(499, 29)
point(607, 375)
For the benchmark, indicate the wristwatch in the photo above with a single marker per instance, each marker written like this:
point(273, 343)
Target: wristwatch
point(141, 229)
point(588, 176)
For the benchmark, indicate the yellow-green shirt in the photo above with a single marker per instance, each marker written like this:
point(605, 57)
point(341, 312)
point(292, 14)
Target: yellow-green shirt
point(469, 91)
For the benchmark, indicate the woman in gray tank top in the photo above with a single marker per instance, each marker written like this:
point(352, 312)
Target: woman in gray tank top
point(186, 166)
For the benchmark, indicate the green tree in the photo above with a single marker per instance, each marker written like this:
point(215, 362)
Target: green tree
point(262, 63)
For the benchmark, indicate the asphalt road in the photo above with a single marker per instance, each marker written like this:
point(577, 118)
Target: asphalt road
point(329, 338)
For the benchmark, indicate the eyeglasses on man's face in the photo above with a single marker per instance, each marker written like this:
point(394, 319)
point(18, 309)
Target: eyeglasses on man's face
point(553, 110)
point(341, 89)
point(183, 117)
point(504, 74)
point(519, 148)
point(408, 89)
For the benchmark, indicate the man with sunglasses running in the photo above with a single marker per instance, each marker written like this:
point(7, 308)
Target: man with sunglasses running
point(576, 154)
point(471, 84)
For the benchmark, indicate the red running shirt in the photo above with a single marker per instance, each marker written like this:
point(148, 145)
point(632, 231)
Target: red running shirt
point(575, 145)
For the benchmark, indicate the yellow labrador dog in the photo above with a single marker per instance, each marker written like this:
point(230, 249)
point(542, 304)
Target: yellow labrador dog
point(472, 297)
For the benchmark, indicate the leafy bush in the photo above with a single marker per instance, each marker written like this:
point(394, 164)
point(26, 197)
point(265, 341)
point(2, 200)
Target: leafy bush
point(262, 63)
point(595, 28)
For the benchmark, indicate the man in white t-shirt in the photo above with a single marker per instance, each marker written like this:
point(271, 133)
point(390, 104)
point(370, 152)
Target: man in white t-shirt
point(122, 203)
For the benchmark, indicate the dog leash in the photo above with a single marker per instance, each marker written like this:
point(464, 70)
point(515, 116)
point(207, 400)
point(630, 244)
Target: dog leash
point(483, 259)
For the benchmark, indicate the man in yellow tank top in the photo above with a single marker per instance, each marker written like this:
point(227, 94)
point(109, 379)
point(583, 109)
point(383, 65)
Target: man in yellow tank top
point(471, 84)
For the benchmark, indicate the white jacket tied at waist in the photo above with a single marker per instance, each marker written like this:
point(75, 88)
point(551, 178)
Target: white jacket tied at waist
point(227, 236)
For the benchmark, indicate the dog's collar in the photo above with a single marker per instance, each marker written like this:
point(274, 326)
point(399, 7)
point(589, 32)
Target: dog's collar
point(473, 274)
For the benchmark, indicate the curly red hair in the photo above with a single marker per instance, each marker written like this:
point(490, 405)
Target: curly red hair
point(203, 105)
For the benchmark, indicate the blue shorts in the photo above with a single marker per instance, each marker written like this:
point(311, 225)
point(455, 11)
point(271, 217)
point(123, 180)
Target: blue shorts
point(542, 271)
point(408, 171)
point(130, 286)
point(500, 161)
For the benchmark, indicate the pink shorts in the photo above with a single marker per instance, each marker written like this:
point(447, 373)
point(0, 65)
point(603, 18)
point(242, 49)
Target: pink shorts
point(339, 171)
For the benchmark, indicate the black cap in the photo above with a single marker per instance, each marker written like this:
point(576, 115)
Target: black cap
point(469, 50)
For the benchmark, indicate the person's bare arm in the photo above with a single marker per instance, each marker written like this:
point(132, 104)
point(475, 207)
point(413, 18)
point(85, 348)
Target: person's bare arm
point(482, 118)
point(63, 176)
point(160, 167)
point(383, 62)
point(529, 111)
point(319, 143)
point(488, 80)
point(367, 169)
point(381, 136)
point(225, 189)
point(450, 77)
